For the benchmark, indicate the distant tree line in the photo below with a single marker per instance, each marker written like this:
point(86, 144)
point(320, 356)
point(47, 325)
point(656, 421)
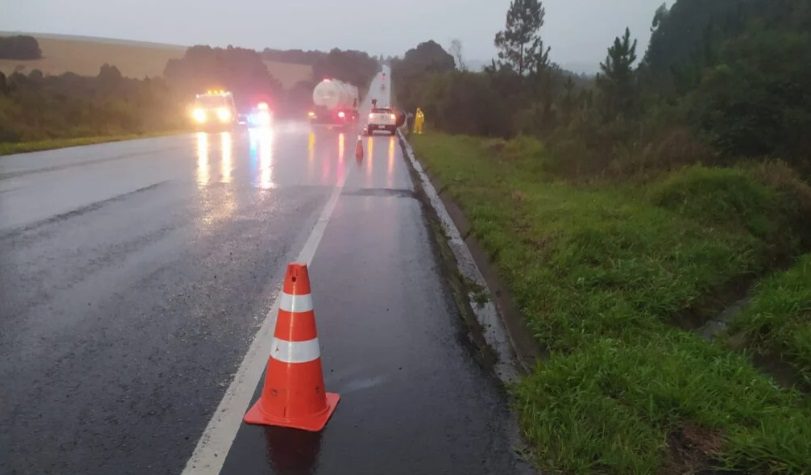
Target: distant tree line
point(236, 69)
point(293, 56)
point(354, 67)
point(19, 47)
point(35, 107)
point(720, 81)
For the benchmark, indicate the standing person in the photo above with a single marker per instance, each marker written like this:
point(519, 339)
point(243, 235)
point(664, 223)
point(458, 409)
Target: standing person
point(419, 121)
point(409, 121)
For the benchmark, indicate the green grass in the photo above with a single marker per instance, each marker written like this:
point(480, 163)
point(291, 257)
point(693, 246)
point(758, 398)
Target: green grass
point(602, 273)
point(777, 320)
point(9, 148)
point(625, 406)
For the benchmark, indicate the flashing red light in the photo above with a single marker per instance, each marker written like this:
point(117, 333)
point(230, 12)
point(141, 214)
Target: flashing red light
point(392, 117)
point(262, 106)
point(341, 114)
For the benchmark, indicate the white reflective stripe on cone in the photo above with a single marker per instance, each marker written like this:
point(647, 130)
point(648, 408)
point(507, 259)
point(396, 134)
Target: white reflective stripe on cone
point(296, 303)
point(295, 351)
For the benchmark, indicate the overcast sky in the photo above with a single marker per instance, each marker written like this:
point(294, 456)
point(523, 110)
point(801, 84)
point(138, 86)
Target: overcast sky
point(579, 31)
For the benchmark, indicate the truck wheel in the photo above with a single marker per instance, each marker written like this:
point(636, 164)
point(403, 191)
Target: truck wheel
point(369, 131)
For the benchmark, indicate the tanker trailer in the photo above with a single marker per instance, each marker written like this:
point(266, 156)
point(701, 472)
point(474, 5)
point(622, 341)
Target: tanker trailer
point(334, 102)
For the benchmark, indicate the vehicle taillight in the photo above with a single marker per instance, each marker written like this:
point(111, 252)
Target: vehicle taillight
point(392, 117)
point(341, 114)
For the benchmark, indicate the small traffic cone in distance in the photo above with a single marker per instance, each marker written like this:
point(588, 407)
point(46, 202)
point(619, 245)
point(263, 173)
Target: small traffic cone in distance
point(293, 394)
point(359, 148)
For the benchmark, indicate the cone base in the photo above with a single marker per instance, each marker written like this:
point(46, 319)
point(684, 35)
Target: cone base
point(314, 423)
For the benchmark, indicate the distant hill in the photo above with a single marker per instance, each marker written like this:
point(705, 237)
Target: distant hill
point(85, 55)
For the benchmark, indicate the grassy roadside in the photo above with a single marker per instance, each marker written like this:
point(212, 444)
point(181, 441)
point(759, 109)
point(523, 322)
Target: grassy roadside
point(776, 322)
point(9, 148)
point(602, 273)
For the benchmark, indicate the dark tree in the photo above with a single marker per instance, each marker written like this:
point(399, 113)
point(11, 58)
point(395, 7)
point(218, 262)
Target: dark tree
point(414, 70)
point(519, 44)
point(109, 76)
point(427, 57)
point(19, 47)
point(617, 81)
point(354, 67)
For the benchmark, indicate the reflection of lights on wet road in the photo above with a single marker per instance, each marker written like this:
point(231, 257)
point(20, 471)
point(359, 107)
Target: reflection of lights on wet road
point(203, 172)
point(310, 154)
point(311, 146)
point(215, 205)
point(370, 148)
point(390, 169)
point(261, 143)
point(341, 147)
point(226, 165)
point(265, 149)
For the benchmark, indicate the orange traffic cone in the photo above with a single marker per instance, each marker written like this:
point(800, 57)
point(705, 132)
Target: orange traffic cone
point(359, 148)
point(294, 395)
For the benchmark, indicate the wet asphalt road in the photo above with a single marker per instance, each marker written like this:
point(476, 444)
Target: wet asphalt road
point(134, 275)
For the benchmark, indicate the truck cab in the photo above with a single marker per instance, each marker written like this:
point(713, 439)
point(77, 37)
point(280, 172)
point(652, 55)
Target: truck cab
point(214, 109)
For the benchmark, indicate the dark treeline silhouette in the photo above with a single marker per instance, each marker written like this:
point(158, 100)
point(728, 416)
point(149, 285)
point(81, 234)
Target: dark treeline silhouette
point(238, 70)
point(34, 107)
point(293, 55)
point(355, 67)
point(19, 47)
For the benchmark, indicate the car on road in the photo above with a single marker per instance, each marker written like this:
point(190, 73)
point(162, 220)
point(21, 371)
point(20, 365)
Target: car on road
point(382, 118)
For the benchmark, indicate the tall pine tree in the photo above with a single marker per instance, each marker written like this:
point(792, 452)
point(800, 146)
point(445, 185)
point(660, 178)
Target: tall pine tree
point(519, 45)
point(617, 81)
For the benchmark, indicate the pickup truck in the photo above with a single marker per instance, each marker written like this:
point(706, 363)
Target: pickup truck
point(382, 119)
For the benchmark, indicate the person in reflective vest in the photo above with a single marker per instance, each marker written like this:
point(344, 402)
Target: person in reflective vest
point(419, 121)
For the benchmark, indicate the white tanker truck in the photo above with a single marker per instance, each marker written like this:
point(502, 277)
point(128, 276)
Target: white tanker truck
point(335, 102)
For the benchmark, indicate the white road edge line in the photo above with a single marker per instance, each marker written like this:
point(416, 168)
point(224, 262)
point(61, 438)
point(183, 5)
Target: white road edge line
point(213, 446)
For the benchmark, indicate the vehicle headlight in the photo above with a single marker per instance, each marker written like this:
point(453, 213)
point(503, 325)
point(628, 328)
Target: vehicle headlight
point(223, 114)
point(199, 115)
